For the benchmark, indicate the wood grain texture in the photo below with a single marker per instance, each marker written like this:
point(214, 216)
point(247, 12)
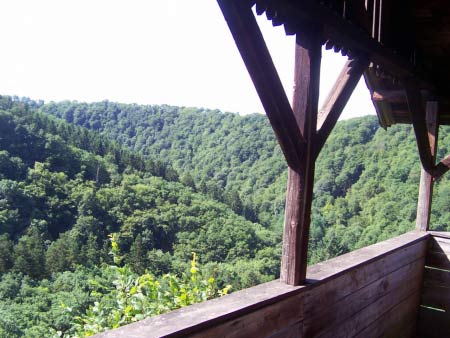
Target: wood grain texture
point(398, 322)
point(364, 318)
point(300, 183)
point(334, 314)
point(257, 59)
point(264, 322)
point(418, 117)
point(434, 314)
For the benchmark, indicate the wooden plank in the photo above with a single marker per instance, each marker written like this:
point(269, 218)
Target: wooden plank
point(404, 244)
point(335, 290)
point(199, 317)
point(437, 260)
point(433, 323)
point(294, 331)
point(399, 321)
point(370, 314)
point(337, 99)
point(257, 59)
point(426, 177)
point(418, 117)
point(436, 277)
point(439, 244)
point(436, 297)
point(334, 314)
point(264, 322)
point(440, 234)
point(301, 177)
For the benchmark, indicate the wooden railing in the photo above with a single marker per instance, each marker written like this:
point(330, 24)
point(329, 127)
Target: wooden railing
point(434, 314)
point(371, 292)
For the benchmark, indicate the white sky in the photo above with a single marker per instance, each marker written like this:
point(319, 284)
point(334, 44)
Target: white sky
point(178, 52)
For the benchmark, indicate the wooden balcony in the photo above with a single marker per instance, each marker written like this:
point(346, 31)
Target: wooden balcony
point(396, 288)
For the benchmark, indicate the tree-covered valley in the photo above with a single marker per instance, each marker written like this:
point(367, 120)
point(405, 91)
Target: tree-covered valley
point(91, 194)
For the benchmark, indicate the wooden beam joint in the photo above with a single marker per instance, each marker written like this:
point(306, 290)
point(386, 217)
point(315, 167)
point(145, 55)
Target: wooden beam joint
point(257, 59)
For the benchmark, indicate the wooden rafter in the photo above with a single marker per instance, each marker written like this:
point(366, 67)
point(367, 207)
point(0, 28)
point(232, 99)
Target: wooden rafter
point(426, 178)
point(344, 34)
point(417, 113)
point(256, 56)
point(337, 99)
point(301, 178)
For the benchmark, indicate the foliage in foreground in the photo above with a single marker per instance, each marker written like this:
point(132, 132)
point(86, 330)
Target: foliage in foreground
point(92, 300)
point(133, 297)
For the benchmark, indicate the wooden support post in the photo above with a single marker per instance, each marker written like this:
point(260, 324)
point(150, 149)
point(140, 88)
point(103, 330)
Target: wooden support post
point(301, 177)
point(426, 178)
point(294, 127)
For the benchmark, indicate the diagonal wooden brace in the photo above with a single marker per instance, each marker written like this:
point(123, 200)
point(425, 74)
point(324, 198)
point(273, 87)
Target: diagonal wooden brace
point(257, 59)
point(338, 98)
point(417, 112)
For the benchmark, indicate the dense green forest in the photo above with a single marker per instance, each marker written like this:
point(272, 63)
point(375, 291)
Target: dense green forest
point(64, 190)
point(366, 178)
point(160, 183)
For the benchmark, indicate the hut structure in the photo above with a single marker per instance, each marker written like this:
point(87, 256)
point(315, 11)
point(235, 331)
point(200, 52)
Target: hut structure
point(396, 288)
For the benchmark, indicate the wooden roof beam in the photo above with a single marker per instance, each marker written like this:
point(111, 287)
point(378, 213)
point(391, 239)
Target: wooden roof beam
point(338, 98)
point(417, 112)
point(257, 59)
point(345, 34)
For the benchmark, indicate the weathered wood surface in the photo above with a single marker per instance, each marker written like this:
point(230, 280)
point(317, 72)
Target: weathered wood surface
point(199, 317)
point(350, 293)
point(394, 286)
point(301, 176)
point(438, 255)
point(426, 177)
point(257, 59)
point(434, 314)
point(398, 322)
point(439, 234)
point(270, 320)
point(418, 117)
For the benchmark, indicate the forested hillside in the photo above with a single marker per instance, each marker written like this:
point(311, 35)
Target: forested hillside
point(165, 182)
point(65, 190)
point(366, 177)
